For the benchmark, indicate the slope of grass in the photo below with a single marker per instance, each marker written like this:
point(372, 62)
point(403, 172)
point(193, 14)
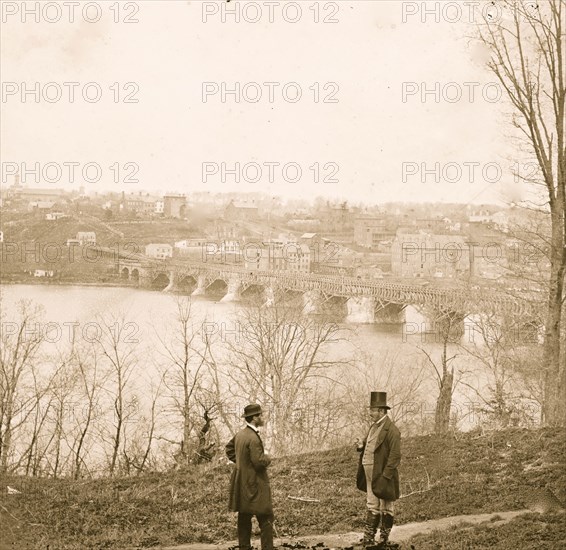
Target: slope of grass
point(30, 228)
point(528, 532)
point(463, 475)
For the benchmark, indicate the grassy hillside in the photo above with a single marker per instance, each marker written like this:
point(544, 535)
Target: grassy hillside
point(30, 228)
point(463, 475)
point(528, 532)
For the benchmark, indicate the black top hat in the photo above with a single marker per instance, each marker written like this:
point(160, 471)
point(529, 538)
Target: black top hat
point(251, 410)
point(378, 400)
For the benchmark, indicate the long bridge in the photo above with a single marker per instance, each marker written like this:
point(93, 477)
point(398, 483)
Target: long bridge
point(366, 300)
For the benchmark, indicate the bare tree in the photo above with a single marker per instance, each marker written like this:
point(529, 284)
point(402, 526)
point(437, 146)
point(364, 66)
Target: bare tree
point(137, 452)
point(39, 405)
point(205, 449)
point(20, 344)
point(61, 392)
point(120, 355)
point(219, 396)
point(275, 360)
point(493, 345)
point(90, 383)
point(185, 354)
point(528, 58)
point(445, 328)
point(401, 376)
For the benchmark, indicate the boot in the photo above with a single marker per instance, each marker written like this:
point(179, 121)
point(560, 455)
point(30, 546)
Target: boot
point(385, 531)
point(372, 525)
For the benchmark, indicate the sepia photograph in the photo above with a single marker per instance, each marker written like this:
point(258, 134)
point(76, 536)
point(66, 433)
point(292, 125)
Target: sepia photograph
point(283, 275)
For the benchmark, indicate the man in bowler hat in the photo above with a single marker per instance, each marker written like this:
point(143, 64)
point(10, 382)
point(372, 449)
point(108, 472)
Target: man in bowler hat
point(250, 494)
point(380, 455)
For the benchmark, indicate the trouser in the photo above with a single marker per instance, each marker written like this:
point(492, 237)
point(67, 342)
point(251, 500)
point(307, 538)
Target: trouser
point(376, 505)
point(245, 530)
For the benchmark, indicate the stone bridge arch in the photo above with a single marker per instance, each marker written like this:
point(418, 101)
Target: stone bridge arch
point(253, 292)
point(218, 286)
point(160, 280)
point(186, 283)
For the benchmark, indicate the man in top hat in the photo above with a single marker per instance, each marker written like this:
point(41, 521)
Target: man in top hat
point(250, 494)
point(380, 455)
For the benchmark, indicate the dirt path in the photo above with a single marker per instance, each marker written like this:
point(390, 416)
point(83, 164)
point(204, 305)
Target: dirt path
point(400, 533)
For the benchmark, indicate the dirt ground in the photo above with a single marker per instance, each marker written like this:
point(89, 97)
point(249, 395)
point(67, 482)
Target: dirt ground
point(400, 533)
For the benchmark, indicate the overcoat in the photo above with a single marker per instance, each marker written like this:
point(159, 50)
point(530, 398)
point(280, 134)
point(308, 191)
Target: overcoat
point(386, 459)
point(249, 486)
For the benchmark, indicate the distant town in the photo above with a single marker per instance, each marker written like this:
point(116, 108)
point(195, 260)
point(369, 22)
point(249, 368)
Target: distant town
point(260, 232)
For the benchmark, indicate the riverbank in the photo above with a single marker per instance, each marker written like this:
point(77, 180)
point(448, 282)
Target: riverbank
point(45, 281)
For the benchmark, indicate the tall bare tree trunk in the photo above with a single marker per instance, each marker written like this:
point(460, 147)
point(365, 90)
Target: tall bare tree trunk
point(528, 58)
point(553, 356)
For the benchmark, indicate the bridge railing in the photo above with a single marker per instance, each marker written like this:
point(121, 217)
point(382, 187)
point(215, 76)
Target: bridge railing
point(342, 284)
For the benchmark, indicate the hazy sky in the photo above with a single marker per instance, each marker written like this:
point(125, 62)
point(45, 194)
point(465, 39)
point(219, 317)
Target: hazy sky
point(170, 132)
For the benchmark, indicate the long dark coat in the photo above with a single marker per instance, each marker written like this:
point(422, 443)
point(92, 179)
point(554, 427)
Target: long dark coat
point(249, 486)
point(386, 459)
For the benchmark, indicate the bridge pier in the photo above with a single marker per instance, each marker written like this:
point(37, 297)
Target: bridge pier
point(145, 278)
point(200, 290)
point(234, 291)
point(269, 295)
point(361, 310)
point(434, 322)
point(312, 302)
point(172, 286)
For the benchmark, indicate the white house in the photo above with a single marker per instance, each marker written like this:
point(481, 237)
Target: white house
point(44, 273)
point(86, 237)
point(160, 251)
point(54, 216)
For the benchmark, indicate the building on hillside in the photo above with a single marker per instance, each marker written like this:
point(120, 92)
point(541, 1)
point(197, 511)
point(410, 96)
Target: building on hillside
point(487, 215)
point(298, 257)
point(160, 251)
point(279, 255)
point(174, 205)
point(210, 250)
point(336, 218)
point(86, 238)
point(40, 206)
point(487, 260)
point(26, 194)
point(44, 273)
point(370, 231)
point(141, 204)
point(436, 225)
point(498, 220)
point(241, 211)
point(429, 255)
point(51, 216)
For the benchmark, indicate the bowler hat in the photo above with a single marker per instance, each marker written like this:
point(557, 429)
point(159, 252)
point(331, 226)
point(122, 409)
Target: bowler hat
point(251, 410)
point(378, 400)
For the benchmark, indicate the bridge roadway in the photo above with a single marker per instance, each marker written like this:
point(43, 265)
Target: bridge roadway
point(447, 296)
